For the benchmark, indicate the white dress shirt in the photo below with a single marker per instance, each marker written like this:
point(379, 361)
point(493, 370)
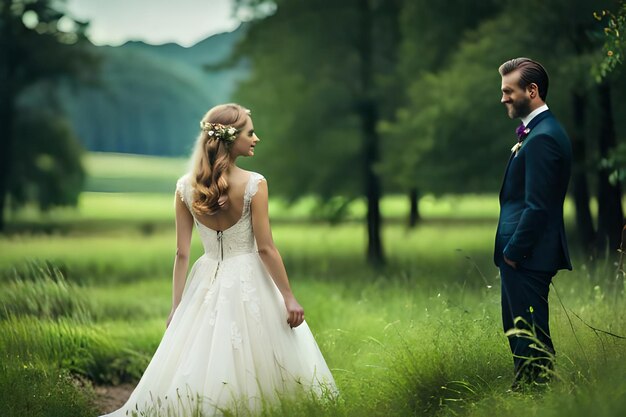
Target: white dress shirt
point(526, 120)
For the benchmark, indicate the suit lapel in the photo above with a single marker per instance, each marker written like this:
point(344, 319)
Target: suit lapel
point(506, 171)
point(534, 122)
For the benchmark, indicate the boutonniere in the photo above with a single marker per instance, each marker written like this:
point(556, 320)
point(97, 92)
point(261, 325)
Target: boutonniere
point(521, 131)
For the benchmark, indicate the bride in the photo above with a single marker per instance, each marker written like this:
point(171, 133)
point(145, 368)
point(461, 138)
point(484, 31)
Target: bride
point(236, 335)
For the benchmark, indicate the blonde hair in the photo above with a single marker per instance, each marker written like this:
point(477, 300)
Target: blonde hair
point(211, 158)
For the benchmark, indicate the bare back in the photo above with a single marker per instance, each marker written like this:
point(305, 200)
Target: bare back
point(229, 216)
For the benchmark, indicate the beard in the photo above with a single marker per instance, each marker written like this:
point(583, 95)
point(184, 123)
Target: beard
point(519, 108)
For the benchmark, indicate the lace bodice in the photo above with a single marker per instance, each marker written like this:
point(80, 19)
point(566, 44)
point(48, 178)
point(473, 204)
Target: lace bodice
point(237, 239)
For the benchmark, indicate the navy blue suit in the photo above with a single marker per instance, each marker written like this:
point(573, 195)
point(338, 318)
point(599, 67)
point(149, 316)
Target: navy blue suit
point(531, 232)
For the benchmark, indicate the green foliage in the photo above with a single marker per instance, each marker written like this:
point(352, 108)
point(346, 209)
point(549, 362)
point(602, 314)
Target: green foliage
point(615, 25)
point(329, 89)
point(47, 168)
point(447, 110)
point(453, 121)
point(432, 30)
point(306, 91)
point(39, 45)
point(429, 141)
point(42, 43)
point(609, 69)
point(616, 164)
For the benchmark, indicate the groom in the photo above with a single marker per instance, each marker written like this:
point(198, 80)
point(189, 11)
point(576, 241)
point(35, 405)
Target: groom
point(530, 244)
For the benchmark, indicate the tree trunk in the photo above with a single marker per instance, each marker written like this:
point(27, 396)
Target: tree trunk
point(7, 103)
point(372, 185)
point(580, 186)
point(6, 136)
point(414, 214)
point(369, 115)
point(610, 213)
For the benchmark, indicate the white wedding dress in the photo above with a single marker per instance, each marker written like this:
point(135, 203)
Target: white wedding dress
point(229, 345)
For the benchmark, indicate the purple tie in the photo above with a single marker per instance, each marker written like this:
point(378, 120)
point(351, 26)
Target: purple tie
point(521, 135)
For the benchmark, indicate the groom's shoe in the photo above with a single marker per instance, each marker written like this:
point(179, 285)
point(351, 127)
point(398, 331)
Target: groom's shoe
point(520, 383)
point(532, 377)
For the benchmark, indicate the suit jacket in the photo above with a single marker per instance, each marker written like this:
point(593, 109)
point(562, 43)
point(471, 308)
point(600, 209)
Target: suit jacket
point(530, 228)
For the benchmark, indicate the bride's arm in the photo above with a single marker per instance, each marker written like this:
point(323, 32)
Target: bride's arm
point(184, 227)
point(270, 255)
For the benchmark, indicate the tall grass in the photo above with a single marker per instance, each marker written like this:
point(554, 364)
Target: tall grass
point(420, 337)
point(44, 293)
point(83, 348)
point(34, 390)
point(326, 252)
point(395, 346)
point(111, 172)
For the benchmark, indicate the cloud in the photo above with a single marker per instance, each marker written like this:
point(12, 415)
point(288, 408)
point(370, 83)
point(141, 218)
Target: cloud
point(185, 22)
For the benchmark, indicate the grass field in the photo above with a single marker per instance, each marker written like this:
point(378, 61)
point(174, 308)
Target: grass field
point(85, 293)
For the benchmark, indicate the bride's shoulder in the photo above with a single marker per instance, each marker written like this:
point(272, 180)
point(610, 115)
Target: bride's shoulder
point(183, 186)
point(255, 175)
point(183, 180)
point(254, 178)
point(253, 183)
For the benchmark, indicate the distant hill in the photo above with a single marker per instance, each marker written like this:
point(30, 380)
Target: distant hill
point(208, 51)
point(152, 97)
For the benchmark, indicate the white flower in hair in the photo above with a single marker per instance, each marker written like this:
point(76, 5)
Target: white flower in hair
point(220, 131)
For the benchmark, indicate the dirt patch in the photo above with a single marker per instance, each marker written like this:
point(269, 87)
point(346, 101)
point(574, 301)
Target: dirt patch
point(110, 398)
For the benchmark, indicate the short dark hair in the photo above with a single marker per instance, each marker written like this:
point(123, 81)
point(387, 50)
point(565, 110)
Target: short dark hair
point(530, 72)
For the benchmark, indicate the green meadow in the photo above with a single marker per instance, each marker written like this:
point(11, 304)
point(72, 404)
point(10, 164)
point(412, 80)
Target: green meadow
point(85, 292)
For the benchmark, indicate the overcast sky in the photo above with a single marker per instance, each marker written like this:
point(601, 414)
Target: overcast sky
point(113, 22)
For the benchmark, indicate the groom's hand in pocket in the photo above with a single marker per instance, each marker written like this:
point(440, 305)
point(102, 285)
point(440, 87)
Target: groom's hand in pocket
point(509, 262)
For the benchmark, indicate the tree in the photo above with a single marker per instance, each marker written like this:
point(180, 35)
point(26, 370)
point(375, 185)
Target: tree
point(611, 214)
point(610, 211)
point(430, 97)
point(49, 169)
point(453, 121)
point(429, 32)
point(613, 48)
point(321, 81)
point(456, 129)
point(38, 43)
point(579, 35)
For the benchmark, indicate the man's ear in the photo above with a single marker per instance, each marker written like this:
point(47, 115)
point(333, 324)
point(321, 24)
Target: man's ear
point(533, 90)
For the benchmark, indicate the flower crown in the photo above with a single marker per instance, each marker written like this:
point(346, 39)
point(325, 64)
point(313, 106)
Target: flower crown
point(219, 131)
